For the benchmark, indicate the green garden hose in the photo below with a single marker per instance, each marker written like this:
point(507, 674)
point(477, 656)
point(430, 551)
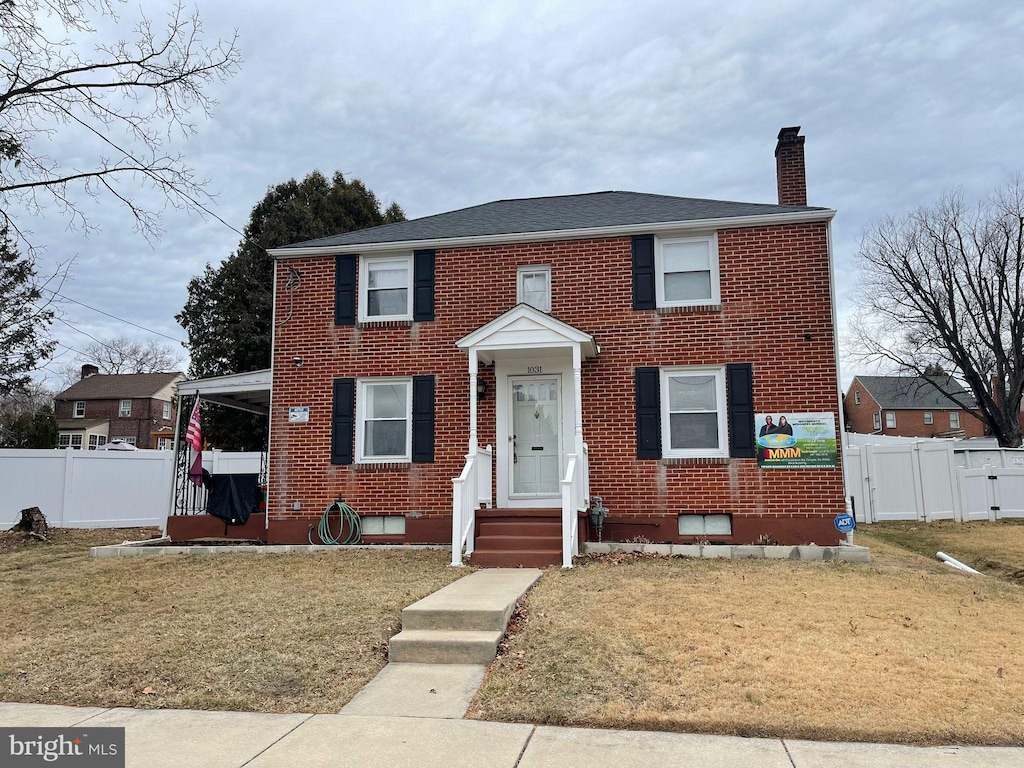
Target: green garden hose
point(346, 517)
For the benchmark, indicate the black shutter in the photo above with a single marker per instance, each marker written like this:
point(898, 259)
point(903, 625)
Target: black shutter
point(648, 413)
point(345, 289)
point(739, 394)
point(643, 272)
point(423, 285)
point(343, 421)
point(422, 418)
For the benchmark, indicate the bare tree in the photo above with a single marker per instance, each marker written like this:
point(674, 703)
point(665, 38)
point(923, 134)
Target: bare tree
point(121, 355)
point(942, 287)
point(120, 103)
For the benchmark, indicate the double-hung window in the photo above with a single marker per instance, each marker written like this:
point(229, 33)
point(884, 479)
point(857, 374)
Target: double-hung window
point(385, 288)
point(533, 287)
point(890, 420)
point(79, 409)
point(928, 417)
point(166, 410)
point(687, 271)
point(954, 420)
point(693, 412)
point(876, 419)
point(126, 408)
point(384, 420)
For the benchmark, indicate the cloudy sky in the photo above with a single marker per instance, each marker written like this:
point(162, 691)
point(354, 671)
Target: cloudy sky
point(441, 105)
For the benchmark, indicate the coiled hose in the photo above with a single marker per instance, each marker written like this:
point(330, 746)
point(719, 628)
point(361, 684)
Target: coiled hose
point(346, 517)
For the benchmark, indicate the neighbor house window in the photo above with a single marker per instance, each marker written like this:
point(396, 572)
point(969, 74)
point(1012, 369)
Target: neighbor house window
point(167, 411)
point(130, 440)
point(384, 420)
point(890, 420)
point(68, 440)
point(693, 412)
point(95, 441)
point(687, 271)
point(533, 287)
point(877, 419)
point(126, 408)
point(927, 417)
point(385, 288)
point(954, 421)
point(164, 443)
point(856, 397)
point(79, 409)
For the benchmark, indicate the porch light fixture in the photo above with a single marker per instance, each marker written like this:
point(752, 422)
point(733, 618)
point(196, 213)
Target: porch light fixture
point(481, 388)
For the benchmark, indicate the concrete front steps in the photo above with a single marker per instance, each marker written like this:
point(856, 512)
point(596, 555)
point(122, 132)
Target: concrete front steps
point(517, 538)
point(463, 622)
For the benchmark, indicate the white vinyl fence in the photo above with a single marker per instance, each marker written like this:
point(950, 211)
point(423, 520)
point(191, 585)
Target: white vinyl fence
point(98, 489)
point(933, 480)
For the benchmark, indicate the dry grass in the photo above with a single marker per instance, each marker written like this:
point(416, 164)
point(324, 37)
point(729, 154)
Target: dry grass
point(996, 548)
point(903, 650)
point(270, 633)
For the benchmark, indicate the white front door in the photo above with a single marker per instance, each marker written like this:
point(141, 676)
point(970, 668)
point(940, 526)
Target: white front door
point(536, 432)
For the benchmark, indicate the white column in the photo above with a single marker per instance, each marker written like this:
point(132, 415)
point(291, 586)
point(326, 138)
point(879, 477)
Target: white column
point(577, 382)
point(472, 401)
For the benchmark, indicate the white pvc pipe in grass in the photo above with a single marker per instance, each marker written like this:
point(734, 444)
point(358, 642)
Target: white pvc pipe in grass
point(956, 563)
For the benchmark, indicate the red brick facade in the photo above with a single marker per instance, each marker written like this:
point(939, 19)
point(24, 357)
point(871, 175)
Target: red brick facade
point(775, 314)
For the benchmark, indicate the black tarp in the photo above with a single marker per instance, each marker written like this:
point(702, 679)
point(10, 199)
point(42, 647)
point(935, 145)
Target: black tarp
point(232, 498)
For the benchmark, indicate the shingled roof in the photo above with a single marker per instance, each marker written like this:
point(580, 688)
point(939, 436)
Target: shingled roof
point(122, 385)
point(554, 214)
point(921, 392)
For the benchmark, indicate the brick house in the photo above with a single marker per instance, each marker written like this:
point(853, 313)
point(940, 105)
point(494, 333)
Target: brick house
point(911, 406)
point(136, 408)
point(542, 351)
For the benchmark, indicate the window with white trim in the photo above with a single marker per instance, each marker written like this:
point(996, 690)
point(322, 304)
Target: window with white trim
point(954, 420)
point(69, 440)
point(126, 408)
point(687, 271)
point(79, 409)
point(385, 288)
point(856, 397)
point(876, 418)
point(533, 287)
point(164, 443)
point(95, 441)
point(928, 417)
point(693, 412)
point(890, 420)
point(129, 439)
point(167, 411)
point(384, 420)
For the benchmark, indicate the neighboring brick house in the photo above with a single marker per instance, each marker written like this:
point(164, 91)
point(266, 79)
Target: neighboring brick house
point(911, 406)
point(649, 328)
point(135, 408)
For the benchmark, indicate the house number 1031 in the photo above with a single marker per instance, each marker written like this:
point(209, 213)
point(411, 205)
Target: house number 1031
point(534, 369)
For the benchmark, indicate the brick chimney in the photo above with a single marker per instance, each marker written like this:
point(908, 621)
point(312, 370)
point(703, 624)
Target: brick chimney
point(789, 165)
point(89, 370)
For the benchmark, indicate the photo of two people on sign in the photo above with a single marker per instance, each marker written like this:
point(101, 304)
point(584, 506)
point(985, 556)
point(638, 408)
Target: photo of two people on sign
point(771, 428)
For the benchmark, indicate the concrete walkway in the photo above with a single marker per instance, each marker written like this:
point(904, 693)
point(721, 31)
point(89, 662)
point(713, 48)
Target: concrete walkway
point(411, 715)
point(182, 738)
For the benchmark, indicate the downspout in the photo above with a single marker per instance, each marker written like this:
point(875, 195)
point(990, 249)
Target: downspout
point(270, 414)
point(841, 426)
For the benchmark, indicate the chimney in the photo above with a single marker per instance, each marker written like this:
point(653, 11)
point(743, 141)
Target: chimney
point(89, 370)
point(789, 165)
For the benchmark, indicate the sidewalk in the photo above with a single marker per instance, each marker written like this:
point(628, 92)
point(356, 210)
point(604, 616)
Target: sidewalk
point(165, 738)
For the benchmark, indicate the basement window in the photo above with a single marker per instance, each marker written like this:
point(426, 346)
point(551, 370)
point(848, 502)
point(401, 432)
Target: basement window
point(383, 525)
point(705, 525)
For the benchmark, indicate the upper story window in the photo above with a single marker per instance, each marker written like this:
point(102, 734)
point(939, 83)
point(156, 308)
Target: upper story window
point(167, 411)
point(385, 288)
point(954, 420)
point(927, 417)
point(384, 420)
point(686, 271)
point(533, 287)
point(79, 409)
point(693, 412)
point(856, 397)
point(126, 408)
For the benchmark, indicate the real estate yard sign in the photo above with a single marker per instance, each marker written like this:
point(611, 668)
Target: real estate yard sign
point(796, 441)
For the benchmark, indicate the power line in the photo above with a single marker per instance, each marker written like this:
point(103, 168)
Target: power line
point(114, 317)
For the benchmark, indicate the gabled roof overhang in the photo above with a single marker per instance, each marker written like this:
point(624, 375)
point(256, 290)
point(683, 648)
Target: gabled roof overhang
point(524, 328)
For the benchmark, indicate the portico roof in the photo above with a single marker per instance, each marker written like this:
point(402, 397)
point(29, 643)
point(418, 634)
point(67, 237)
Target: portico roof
point(243, 391)
point(525, 328)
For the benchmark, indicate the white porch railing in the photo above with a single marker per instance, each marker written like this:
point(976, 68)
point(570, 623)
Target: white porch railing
point(469, 490)
point(575, 499)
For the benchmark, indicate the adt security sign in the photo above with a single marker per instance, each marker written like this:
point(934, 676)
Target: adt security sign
point(845, 523)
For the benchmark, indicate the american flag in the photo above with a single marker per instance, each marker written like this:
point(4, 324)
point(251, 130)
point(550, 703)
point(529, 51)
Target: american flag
point(194, 438)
